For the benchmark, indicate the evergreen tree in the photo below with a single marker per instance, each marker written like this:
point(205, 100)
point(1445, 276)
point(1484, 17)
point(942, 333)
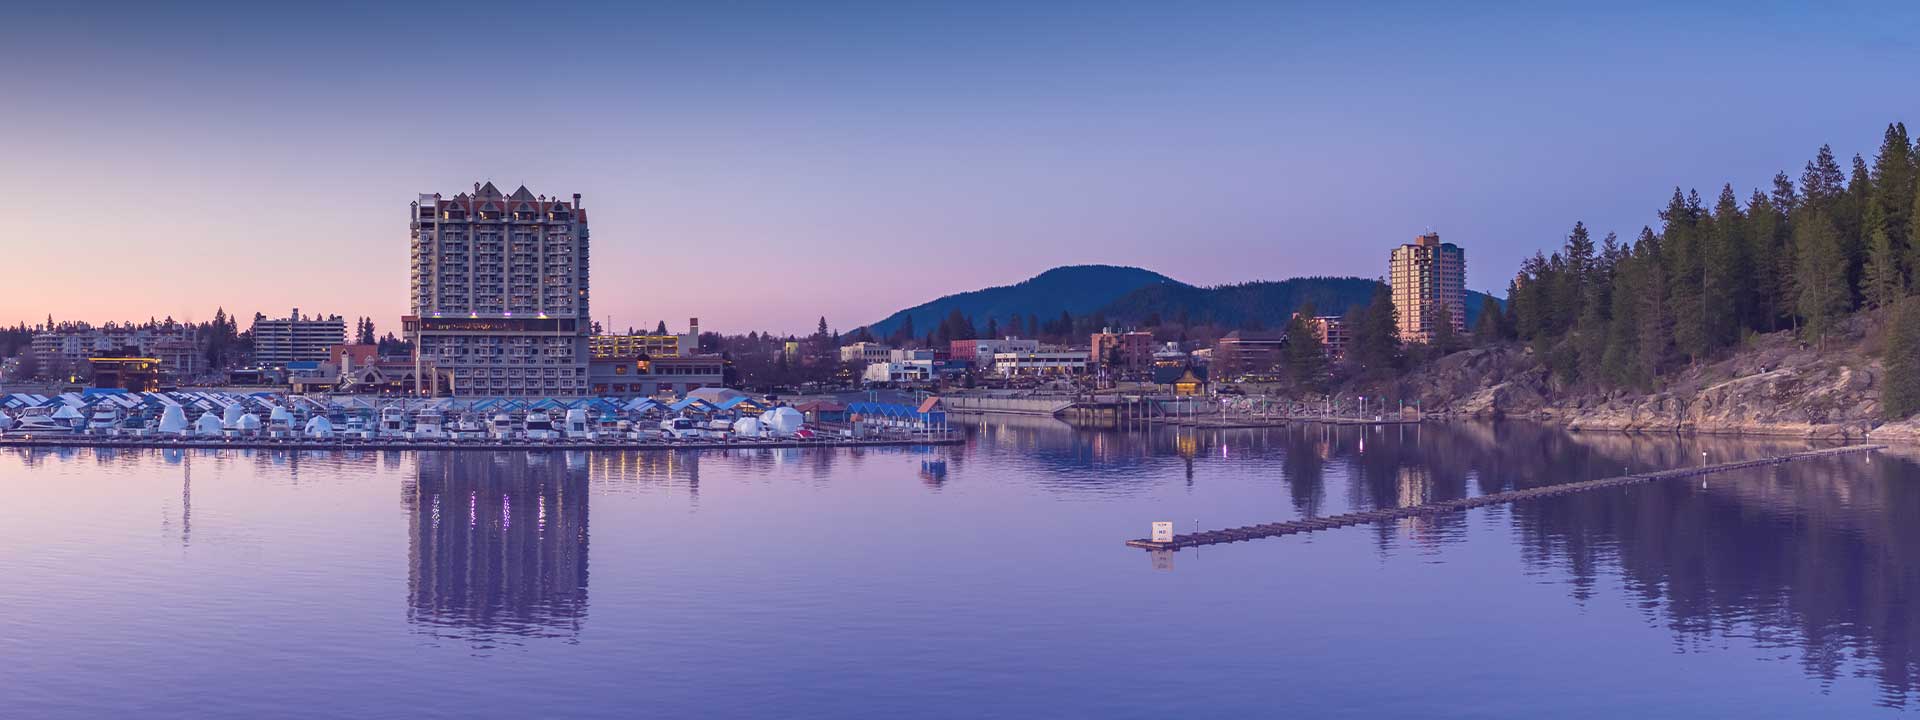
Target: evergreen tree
point(1445, 339)
point(1375, 345)
point(1765, 227)
point(660, 329)
point(1726, 275)
point(1900, 391)
point(1033, 324)
point(1893, 195)
point(1620, 361)
point(1655, 343)
point(1822, 276)
point(1013, 326)
point(1680, 248)
point(1489, 329)
point(993, 328)
point(1881, 281)
point(1306, 357)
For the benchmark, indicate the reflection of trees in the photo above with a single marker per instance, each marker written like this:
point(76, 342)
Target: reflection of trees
point(498, 544)
point(1817, 554)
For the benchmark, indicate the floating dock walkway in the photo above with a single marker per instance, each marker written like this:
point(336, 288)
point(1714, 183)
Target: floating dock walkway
point(1255, 532)
point(260, 443)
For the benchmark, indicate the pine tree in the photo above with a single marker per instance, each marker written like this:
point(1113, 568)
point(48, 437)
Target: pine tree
point(1900, 391)
point(1881, 282)
point(1306, 358)
point(1489, 329)
point(1822, 276)
point(661, 328)
point(1726, 275)
point(1445, 339)
point(1893, 194)
point(1680, 248)
point(1620, 360)
point(1375, 345)
point(1655, 343)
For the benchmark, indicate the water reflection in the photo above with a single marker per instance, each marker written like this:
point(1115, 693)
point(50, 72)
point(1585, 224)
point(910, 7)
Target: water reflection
point(498, 545)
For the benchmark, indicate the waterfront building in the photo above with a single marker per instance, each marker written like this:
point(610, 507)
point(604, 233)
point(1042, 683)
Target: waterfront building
point(1121, 351)
point(67, 345)
point(1243, 352)
point(625, 346)
point(1427, 277)
point(133, 374)
point(1332, 332)
point(980, 352)
point(866, 352)
point(897, 372)
point(295, 338)
point(901, 355)
point(500, 293)
point(653, 376)
point(1040, 362)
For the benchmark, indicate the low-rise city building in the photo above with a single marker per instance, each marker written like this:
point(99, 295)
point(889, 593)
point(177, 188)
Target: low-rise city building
point(866, 352)
point(619, 346)
point(1121, 351)
point(651, 376)
point(980, 352)
point(1040, 362)
point(295, 338)
point(1248, 352)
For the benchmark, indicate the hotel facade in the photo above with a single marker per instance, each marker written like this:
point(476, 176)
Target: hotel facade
point(1425, 276)
point(500, 293)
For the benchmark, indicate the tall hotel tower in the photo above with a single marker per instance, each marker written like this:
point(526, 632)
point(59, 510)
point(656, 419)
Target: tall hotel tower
point(500, 294)
point(1426, 275)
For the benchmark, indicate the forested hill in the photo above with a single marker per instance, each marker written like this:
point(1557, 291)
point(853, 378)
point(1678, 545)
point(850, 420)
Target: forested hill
point(1254, 304)
point(1092, 296)
point(1074, 289)
point(1626, 313)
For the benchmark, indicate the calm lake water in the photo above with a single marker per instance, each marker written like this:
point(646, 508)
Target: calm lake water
point(980, 581)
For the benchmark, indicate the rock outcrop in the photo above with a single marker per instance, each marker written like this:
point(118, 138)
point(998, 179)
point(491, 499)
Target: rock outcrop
point(1773, 385)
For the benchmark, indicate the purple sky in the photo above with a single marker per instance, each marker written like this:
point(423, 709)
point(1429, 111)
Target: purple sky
point(762, 164)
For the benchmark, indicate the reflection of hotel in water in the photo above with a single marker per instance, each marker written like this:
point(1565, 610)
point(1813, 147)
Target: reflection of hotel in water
point(498, 542)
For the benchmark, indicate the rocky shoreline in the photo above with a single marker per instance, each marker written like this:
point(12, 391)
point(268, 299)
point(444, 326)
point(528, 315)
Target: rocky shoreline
point(1773, 386)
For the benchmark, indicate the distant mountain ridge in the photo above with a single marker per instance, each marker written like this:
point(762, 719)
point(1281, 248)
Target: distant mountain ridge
point(1130, 296)
point(1077, 289)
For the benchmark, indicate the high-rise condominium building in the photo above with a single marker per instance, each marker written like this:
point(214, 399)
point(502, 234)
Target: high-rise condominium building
point(500, 293)
point(296, 338)
point(1426, 276)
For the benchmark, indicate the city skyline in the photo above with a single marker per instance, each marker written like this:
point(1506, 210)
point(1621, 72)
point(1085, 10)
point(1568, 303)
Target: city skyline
point(855, 152)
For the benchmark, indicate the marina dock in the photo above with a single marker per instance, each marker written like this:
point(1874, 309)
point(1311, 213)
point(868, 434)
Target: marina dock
point(1256, 532)
point(258, 443)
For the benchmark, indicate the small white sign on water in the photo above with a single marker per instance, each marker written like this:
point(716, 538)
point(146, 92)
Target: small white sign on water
point(1163, 531)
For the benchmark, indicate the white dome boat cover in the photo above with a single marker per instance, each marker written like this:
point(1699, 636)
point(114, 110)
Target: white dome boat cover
point(280, 416)
point(747, 427)
point(173, 421)
point(782, 421)
point(231, 416)
point(319, 427)
point(208, 424)
point(248, 422)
